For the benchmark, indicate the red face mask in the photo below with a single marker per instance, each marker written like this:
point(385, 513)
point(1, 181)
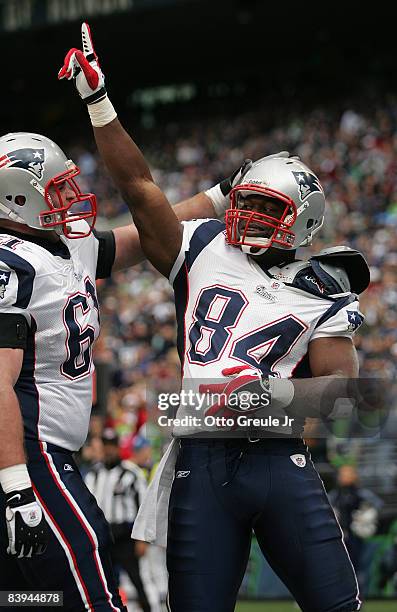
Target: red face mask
point(277, 230)
point(61, 213)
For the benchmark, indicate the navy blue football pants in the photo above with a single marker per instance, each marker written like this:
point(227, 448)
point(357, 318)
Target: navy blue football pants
point(224, 489)
point(77, 559)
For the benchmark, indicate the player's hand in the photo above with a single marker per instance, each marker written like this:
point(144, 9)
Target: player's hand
point(140, 548)
point(26, 526)
point(231, 181)
point(234, 179)
point(247, 391)
point(284, 154)
point(364, 521)
point(219, 194)
point(83, 67)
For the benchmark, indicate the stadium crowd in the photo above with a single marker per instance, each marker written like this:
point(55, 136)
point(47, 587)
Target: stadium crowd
point(353, 153)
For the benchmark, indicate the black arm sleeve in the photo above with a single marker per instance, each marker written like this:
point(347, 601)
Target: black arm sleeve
point(106, 253)
point(13, 331)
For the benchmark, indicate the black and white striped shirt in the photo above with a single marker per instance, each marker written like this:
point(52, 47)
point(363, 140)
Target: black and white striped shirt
point(118, 491)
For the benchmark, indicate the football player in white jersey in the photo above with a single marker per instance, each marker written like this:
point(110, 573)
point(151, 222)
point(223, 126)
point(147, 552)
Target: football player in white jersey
point(50, 256)
point(254, 317)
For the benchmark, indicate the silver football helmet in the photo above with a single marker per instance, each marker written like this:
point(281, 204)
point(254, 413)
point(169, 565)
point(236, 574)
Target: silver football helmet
point(299, 194)
point(33, 173)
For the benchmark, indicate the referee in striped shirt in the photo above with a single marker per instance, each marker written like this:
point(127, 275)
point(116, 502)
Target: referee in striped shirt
point(118, 487)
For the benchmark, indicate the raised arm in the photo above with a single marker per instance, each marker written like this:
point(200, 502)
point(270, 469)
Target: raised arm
point(159, 229)
point(158, 224)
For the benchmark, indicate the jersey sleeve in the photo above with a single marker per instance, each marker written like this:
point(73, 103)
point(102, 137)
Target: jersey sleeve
point(16, 287)
point(197, 234)
point(17, 277)
point(13, 331)
point(343, 318)
point(106, 253)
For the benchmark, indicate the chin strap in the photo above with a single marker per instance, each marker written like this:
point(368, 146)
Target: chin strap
point(255, 251)
point(258, 250)
point(7, 213)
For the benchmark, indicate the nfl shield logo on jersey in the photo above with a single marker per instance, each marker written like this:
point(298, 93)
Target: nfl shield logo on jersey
point(299, 460)
point(308, 183)
point(4, 280)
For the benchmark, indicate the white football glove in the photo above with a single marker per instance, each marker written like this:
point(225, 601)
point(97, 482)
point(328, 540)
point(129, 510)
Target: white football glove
point(26, 526)
point(364, 521)
point(83, 66)
point(233, 394)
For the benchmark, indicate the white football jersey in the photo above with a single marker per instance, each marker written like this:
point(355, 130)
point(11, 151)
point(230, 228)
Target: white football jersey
point(57, 296)
point(231, 312)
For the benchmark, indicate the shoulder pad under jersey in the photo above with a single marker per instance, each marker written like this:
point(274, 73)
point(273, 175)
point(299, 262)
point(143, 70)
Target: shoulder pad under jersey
point(345, 267)
point(329, 273)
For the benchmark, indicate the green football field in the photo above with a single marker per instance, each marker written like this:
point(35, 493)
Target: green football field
point(371, 606)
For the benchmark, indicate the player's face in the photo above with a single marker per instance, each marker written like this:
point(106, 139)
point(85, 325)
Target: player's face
point(66, 195)
point(259, 204)
point(63, 196)
point(111, 454)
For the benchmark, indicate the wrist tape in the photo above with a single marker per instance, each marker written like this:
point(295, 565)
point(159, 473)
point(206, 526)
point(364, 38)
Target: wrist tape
point(15, 478)
point(102, 112)
point(282, 392)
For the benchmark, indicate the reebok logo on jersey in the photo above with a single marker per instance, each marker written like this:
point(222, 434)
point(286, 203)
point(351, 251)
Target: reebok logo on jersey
point(4, 280)
point(68, 468)
point(261, 290)
point(182, 474)
point(299, 460)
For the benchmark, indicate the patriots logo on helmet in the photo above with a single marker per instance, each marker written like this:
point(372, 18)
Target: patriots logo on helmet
point(4, 280)
point(31, 160)
point(308, 183)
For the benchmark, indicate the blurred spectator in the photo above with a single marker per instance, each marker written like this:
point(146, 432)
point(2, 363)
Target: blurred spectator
point(388, 563)
point(118, 487)
point(142, 453)
point(91, 455)
point(357, 510)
